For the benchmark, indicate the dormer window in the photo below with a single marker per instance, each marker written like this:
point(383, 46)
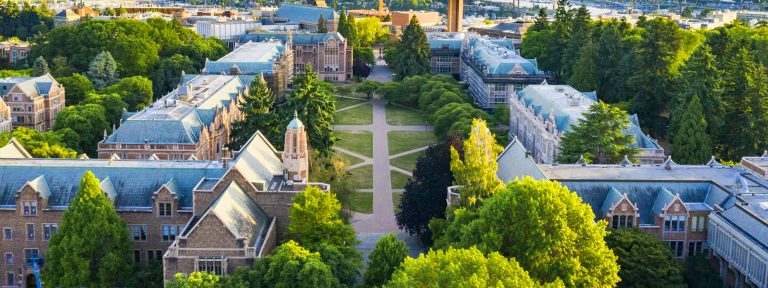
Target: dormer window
point(164, 209)
point(674, 223)
point(30, 208)
point(622, 221)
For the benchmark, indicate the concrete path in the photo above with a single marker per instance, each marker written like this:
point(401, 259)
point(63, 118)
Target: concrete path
point(408, 152)
point(380, 73)
point(350, 107)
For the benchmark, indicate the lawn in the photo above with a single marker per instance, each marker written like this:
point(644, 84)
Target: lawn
point(362, 177)
point(356, 141)
point(351, 159)
point(398, 179)
point(397, 115)
point(360, 115)
point(403, 141)
point(346, 102)
point(407, 162)
point(396, 200)
point(362, 202)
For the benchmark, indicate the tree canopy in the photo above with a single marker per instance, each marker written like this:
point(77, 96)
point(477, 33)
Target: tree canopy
point(409, 56)
point(259, 110)
point(89, 123)
point(314, 102)
point(194, 280)
point(50, 144)
point(77, 88)
point(692, 143)
point(599, 137)
point(385, 258)
point(475, 171)
point(103, 70)
point(642, 257)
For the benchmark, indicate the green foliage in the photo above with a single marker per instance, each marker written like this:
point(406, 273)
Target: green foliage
point(40, 67)
point(584, 76)
point(410, 56)
point(475, 172)
point(424, 196)
point(136, 91)
point(314, 102)
point(455, 118)
point(368, 87)
point(745, 88)
point(461, 268)
point(699, 273)
point(387, 256)
point(692, 144)
point(88, 121)
point(113, 105)
point(599, 137)
point(168, 73)
point(77, 87)
point(103, 70)
point(259, 111)
point(48, 144)
point(545, 227)
point(19, 21)
point(15, 73)
point(321, 25)
point(332, 169)
point(194, 280)
point(72, 259)
point(370, 31)
point(643, 257)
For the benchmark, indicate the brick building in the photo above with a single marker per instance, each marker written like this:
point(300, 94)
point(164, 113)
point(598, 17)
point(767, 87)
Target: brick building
point(34, 101)
point(445, 52)
point(193, 121)
point(270, 58)
point(15, 53)
point(201, 215)
point(329, 53)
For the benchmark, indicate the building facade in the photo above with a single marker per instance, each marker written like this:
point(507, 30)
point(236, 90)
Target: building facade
point(307, 16)
point(190, 215)
point(512, 30)
point(228, 31)
point(34, 101)
point(270, 58)
point(539, 115)
point(445, 52)
point(194, 121)
point(15, 54)
point(493, 70)
point(73, 16)
point(5, 117)
point(329, 54)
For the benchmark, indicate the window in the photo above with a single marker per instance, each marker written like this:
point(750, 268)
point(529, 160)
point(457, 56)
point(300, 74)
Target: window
point(155, 255)
point(696, 247)
point(30, 232)
point(676, 247)
point(11, 279)
point(7, 233)
point(49, 230)
point(622, 221)
point(136, 256)
point(30, 208)
point(674, 223)
point(8, 258)
point(164, 209)
point(170, 232)
point(31, 255)
point(698, 223)
point(210, 265)
point(139, 232)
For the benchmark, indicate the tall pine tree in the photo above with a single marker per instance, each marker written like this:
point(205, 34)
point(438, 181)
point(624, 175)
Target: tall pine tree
point(92, 248)
point(737, 82)
point(412, 52)
point(599, 137)
point(692, 144)
point(315, 105)
point(581, 34)
point(259, 112)
point(40, 67)
point(585, 75)
point(321, 25)
point(702, 79)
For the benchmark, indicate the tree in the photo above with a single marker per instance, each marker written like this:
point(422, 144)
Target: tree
point(313, 101)
point(168, 73)
point(455, 118)
point(72, 259)
point(411, 55)
point(385, 258)
point(77, 88)
point(40, 67)
point(332, 169)
point(598, 137)
point(584, 75)
point(643, 257)
point(554, 233)
point(351, 35)
point(541, 23)
point(745, 91)
point(194, 280)
point(48, 144)
point(103, 70)
point(475, 172)
point(461, 268)
point(321, 25)
point(424, 194)
point(136, 91)
point(88, 121)
point(692, 143)
point(113, 106)
point(342, 26)
point(259, 115)
point(699, 273)
point(370, 31)
point(368, 87)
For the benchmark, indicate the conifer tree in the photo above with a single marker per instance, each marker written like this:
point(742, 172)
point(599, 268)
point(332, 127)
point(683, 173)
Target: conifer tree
point(599, 137)
point(103, 70)
point(581, 34)
point(541, 23)
point(352, 31)
point(312, 99)
point(91, 248)
point(259, 115)
point(321, 25)
point(40, 67)
point(411, 55)
point(476, 171)
point(741, 88)
point(342, 27)
point(584, 76)
point(692, 144)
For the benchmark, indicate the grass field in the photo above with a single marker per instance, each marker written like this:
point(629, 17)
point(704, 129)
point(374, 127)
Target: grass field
point(346, 102)
point(398, 179)
point(360, 115)
point(351, 159)
point(407, 162)
point(362, 177)
point(362, 202)
point(396, 200)
point(404, 141)
point(356, 141)
point(397, 115)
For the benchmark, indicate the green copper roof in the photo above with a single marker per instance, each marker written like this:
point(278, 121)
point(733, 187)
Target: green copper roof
point(295, 123)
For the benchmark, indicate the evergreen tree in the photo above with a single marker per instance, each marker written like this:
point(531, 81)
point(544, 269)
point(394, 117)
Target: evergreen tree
point(562, 28)
point(541, 23)
point(580, 36)
point(745, 100)
point(643, 257)
point(321, 25)
point(92, 247)
point(352, 31)
point(584, 76)
point(103, 70)
point(616, 50)
point(40, 67)
point(599, 137)
point(476, 170)
point(692, 143)
point(342, 26)
point(411, 54)
point(259, 115)
point(314, 102)
point(385, 258)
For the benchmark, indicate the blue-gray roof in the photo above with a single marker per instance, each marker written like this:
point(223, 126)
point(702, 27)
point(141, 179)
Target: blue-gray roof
point(613, 197)
point(249, 58)
point(32, 86)
point(515, 162)
point(304, 13)
point(297, 38)
point(642, 141)
point(500, 59)
point(240, 215)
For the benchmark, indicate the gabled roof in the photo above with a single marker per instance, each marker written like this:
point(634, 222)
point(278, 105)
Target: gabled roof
point(240, 215)
point(515, 162)
point(304, 13)
point(41, 186)
point(663, 200)
point(613, 198)
point(258, 160)
point(14, 150)
point(296, 38)
point(441, 40)
point(500, 59)
point(31, 86)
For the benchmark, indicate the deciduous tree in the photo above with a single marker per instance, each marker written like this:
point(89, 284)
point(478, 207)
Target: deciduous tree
point(385, 258)
point(475, 172)
point(88, 121)
point(643, 257)
point(48, 144)
point(599, 137)
point(194, 280)
point(136, 91)
point(77, 88)
point(168, 73)
point(113, 106)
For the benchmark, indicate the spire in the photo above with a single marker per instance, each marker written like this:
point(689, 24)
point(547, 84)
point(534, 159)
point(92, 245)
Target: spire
point(295, 123)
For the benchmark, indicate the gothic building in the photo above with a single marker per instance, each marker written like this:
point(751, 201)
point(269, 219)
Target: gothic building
point(34, 101)
point(193, 215)
point(271, 59)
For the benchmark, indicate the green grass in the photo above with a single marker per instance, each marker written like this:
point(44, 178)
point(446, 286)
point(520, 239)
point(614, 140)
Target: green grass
point(351, 159)
point(403, 141)
point(407, 162)
point(397, 115)
point(396, 200)
point(398, 179)
point(356, 141)
point(346, 102)
point(360, 115)
point(362, 177)
point(362, 202)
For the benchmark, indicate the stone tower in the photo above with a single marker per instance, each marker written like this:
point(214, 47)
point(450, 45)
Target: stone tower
point(455, 15)
point(296, 152)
